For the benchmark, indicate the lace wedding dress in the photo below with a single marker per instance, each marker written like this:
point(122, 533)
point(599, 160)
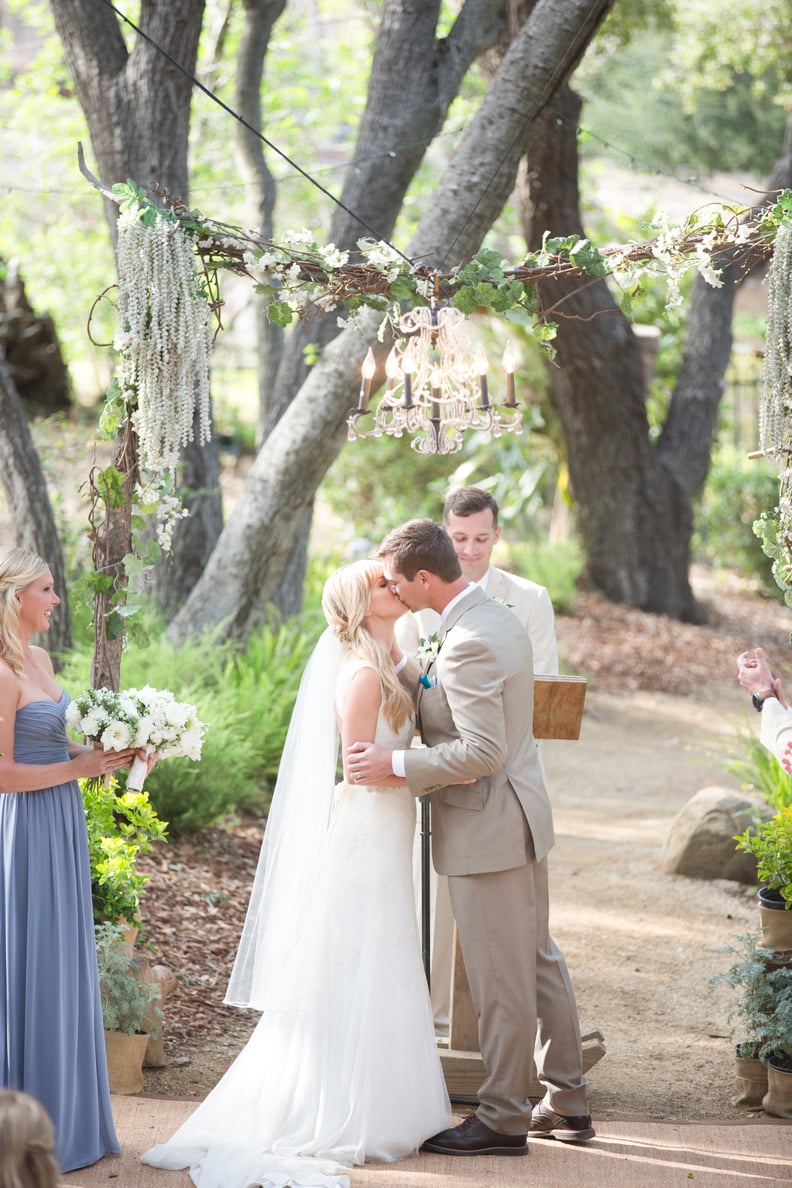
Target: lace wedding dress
point(342, 1066)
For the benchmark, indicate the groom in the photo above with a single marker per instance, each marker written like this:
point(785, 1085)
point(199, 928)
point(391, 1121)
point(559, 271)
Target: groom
point(491, 835)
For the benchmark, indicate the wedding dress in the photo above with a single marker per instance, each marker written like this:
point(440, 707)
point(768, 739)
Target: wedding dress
point(342, 1066)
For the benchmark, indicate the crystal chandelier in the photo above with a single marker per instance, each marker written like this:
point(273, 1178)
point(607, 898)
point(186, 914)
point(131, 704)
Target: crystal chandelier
point(436, 386)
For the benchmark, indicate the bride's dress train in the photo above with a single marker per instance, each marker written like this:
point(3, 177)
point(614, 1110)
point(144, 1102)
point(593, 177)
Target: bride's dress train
point(343, 1065)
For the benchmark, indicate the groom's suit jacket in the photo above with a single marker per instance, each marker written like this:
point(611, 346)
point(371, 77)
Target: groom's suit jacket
point(476, 721)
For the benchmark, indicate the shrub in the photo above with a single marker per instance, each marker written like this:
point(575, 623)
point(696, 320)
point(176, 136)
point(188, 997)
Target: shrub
point(126, 998)
point(736, 493)
point(771, 844)
point(557, 566)
point(245, 698)
point(760, 771)
point(121, 825)
point(763, 1010)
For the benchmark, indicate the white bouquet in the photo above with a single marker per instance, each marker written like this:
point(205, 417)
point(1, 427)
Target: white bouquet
point(146, 718)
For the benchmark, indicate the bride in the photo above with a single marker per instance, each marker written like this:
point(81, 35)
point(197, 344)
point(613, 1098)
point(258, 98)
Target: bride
point(342, 1066)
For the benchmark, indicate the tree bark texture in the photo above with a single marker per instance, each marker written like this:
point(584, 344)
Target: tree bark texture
point(28, 499)
point(260, 18)
point(245, 567)
point(137, 106)
point(30, 346)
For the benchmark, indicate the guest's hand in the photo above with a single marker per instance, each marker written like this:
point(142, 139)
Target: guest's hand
point(753, 673)
point(368, 764)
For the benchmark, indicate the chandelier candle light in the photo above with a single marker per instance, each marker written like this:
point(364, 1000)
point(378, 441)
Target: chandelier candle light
point(436, 386)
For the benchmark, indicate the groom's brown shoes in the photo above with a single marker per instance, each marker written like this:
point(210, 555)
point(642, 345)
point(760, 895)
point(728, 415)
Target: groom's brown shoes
point(474, 1137)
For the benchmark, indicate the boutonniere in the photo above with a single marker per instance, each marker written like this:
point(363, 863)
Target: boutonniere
point(503, 602)
point(427, 681)
point(429, 648)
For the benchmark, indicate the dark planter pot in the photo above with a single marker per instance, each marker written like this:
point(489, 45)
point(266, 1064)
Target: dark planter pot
point(776, 920)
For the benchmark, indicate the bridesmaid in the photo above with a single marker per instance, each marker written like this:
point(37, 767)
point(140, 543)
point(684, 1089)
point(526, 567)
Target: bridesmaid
point(52, 1046)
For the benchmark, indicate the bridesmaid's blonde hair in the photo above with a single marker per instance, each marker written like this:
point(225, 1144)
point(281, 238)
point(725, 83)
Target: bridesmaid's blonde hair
point(27, 1140)
point(345, 600)
point(18, 568)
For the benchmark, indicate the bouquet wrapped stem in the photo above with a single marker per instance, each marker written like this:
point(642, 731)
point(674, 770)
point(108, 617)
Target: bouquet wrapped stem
point(138, 772)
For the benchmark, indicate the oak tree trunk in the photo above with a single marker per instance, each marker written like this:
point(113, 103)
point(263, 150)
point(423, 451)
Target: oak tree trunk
point(28, 500)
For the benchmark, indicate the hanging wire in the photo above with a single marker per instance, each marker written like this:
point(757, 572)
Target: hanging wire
point(538, 105)
point(293, 164)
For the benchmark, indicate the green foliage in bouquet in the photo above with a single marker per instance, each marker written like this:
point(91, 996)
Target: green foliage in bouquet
point(121, 826)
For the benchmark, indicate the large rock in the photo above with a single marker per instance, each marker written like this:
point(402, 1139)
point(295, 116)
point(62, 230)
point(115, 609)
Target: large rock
point(700, 842)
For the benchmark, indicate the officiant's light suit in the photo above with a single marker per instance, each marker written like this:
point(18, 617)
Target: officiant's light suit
point(491, 838)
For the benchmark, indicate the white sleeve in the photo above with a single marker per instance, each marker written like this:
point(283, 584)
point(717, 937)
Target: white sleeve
point(541, 628)
point(776, 731)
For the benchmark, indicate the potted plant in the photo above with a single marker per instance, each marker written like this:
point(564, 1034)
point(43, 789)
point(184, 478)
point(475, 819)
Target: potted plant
point(749, 1015)
point(770, 842)
point(776, 1046)
point(764, 1011)
point(127, 1004)
point(122, 825)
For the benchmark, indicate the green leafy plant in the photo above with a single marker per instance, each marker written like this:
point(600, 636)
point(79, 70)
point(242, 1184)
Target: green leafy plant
point(121, 826)
point(771, 844)
point(556, 566)
point(760, 771)
point(727, 513)
point(127, 1000)
point(762, 1013)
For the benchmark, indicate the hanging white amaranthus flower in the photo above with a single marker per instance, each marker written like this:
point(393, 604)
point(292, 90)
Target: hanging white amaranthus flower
point(164, 337)
point(775, 416)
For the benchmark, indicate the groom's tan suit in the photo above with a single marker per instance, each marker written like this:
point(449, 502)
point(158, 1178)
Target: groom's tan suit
point(491, 838)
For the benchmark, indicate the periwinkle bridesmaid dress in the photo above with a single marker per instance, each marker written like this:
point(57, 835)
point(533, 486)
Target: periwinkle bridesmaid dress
point(50, 1012)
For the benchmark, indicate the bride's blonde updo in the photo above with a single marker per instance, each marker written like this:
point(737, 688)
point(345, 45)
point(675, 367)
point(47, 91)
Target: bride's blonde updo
point(18, 569)
point(345, 600)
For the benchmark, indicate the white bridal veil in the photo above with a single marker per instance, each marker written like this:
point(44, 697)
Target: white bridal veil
point(281, 913)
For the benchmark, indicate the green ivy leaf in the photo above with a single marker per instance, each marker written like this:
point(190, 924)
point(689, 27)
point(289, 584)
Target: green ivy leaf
point(280, 312)
point(402, 288)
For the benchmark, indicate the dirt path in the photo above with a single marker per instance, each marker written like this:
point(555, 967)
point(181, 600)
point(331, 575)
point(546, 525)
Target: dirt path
point(641, 945)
